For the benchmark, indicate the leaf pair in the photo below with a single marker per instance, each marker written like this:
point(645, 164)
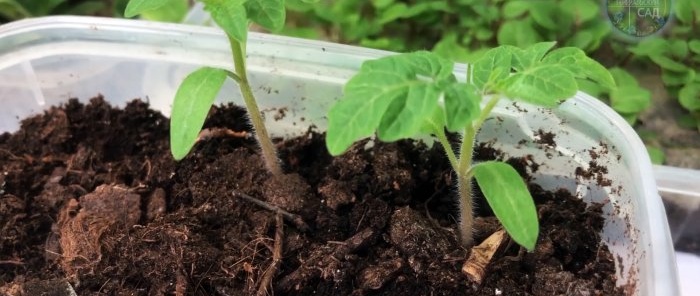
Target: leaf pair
point(536, 74)
point(399, 96)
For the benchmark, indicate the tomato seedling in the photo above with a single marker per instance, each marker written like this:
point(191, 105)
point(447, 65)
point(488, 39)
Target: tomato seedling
point(197, 92)
point(402, 96)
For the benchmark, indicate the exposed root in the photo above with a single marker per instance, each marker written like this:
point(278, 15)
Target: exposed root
point(266, 280)
point(291, 218)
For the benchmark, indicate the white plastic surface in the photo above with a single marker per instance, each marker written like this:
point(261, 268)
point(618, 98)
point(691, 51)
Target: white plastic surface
point(689, 269)
point(45, 61)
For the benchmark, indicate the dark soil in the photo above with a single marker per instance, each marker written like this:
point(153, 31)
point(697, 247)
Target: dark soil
point(91, 199)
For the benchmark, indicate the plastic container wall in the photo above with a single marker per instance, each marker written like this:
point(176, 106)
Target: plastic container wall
point(43, 62)
point(680, 190)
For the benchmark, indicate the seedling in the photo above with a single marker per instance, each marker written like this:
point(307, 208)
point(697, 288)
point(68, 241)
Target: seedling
point(197, 92)
point(402, 96)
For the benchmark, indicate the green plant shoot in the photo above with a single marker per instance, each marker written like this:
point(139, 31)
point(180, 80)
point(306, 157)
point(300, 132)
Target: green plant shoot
point(197, 92)
point(402, 96)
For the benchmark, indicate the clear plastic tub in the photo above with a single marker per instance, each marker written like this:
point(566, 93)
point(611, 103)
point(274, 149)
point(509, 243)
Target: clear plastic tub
point(45, 61)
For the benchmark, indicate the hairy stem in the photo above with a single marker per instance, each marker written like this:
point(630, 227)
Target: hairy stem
point(466, 214)
point(464, 178)
point(268, 149)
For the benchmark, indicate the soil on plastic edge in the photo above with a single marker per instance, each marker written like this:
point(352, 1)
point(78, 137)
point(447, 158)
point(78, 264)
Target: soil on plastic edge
point(92, 201)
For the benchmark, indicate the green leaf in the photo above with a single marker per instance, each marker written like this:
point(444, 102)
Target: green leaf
point(519, 33)
point(390, 95)
point(678, 78)
point(136, 7)
point(678, 48)
point(580, 65)
point(448, 48)
point(689, 97)
point(392, 13)
point(510, 200)
point(593, 89)
point(12, 10)
point(630, 99)
point(192, 102)
point(544, 85)
point(656, 155)
point(667, 63)
point(531, 56)
point(231, 16)
point(694, 46)
point(513, 9)
point(649, 47)
point(542, 13)
point(270, 14)
point(175, 12)
point(403, 117)
point(582, 10)
point(496, 60)
point(684, 10)
point(461, 105)
point(622, 77)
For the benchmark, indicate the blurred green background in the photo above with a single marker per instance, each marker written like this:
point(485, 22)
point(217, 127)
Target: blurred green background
point(658, 89)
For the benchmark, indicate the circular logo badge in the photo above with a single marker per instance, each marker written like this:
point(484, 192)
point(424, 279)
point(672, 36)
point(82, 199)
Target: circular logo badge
point(639, 18)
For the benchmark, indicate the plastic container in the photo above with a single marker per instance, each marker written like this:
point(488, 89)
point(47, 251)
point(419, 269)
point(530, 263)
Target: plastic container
point(680, 190)
point(45, 61)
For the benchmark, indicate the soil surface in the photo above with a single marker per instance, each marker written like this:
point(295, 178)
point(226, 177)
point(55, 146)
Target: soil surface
point(92, 201)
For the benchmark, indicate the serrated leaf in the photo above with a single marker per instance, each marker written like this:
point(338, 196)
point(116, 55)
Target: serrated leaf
point(689, 97)
point(192, 102)
point(667, 63)
point(544, 85)
point(270, 14)
point(496, 60)
point(580, 65)
point(231, 16)
point(403, 117)
point(390, 95)
point(461, 105)
point(530, 56)
point(630, 99)
point(136, 7)
point(511, 202)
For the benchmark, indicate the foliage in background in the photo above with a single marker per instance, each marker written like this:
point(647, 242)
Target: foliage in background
point(677, 54)
point(12, 10)
point(462, 30)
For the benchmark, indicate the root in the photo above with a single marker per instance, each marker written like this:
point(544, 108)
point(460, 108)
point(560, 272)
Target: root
point(291, 218)
point(266, 280)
